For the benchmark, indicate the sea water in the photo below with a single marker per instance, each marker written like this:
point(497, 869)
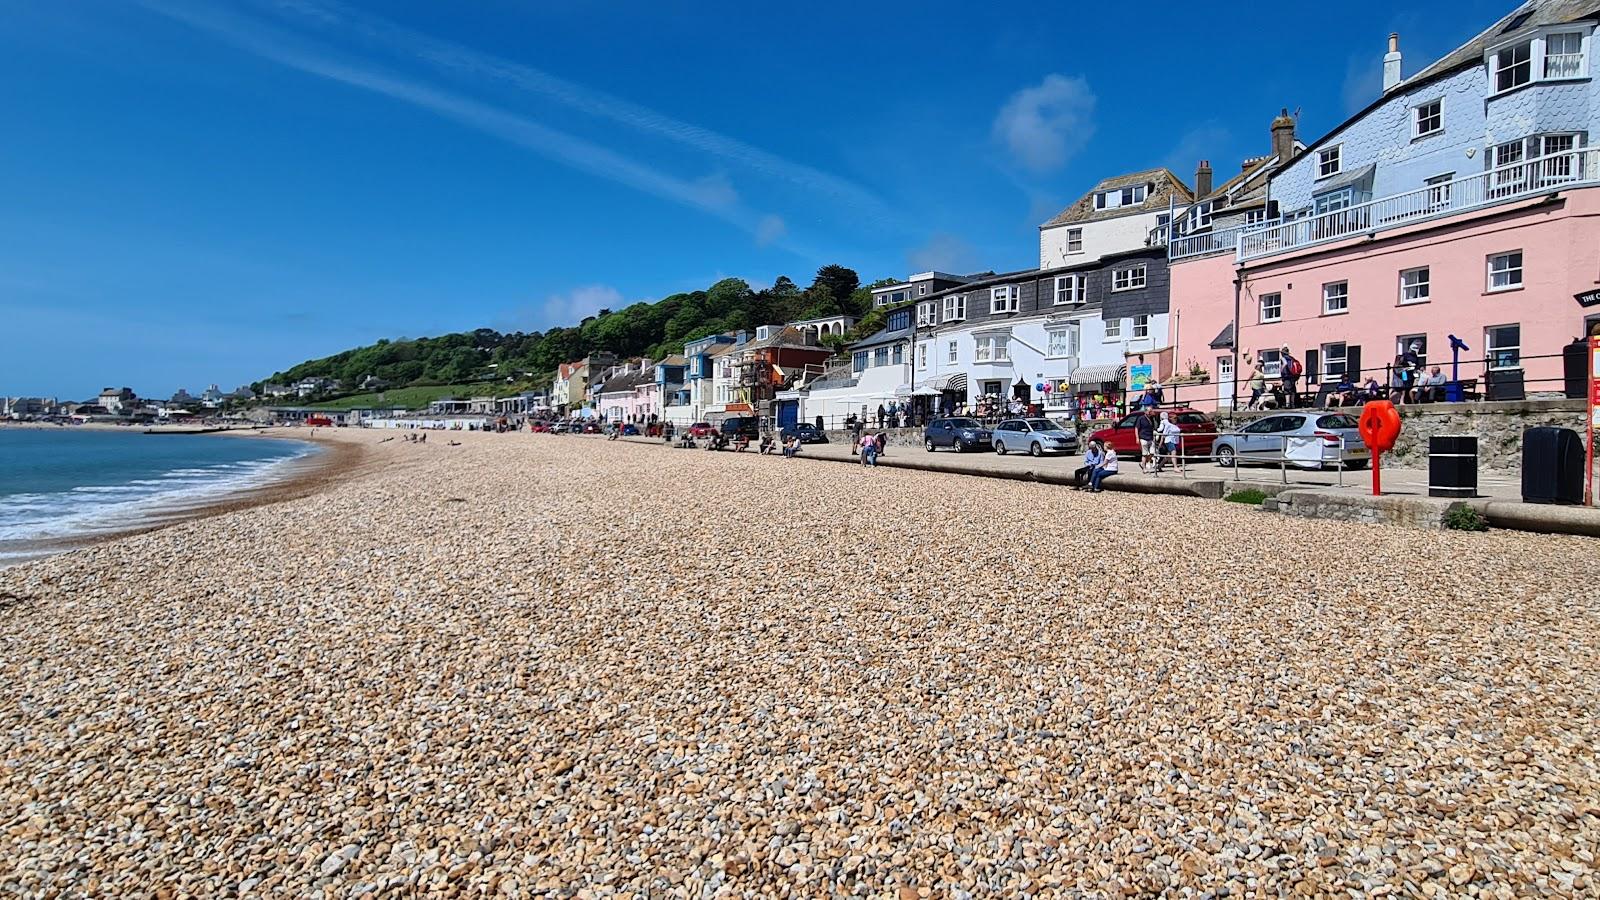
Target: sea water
point(64, 483)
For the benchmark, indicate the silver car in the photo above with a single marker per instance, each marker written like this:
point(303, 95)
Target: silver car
point(1037, 436)
point(1308, 439)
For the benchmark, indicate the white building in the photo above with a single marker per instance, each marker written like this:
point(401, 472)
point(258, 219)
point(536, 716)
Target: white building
point(917, 286)
point(1118, 215)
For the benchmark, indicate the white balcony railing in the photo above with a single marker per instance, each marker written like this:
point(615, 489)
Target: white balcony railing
point(1222, 240)
point(1494, 186)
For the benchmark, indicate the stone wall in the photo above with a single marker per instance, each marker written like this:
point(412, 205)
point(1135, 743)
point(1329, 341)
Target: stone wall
point(1498, 427)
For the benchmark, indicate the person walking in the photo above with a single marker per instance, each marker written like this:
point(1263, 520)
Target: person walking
point(882, 414)
point(1171, 437)
point(1291, 370)
point(1145, 428)
point(1258, 386)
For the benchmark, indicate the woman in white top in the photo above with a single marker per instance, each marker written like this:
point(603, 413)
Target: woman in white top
point(1169, 434)
point(1108, 468)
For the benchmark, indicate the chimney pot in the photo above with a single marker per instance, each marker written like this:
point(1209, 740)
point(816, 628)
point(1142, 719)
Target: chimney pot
point(1391, 64)
point(1283, 136)
point(1202, 178)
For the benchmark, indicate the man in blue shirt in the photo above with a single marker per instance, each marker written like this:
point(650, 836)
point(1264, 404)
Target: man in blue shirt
point(1092, 458)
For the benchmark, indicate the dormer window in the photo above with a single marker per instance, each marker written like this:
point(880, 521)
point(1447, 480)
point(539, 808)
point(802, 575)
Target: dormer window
point(1129, 278)
point(1003, 299)
point(1330, 161)
point(1563, 55)
point(1556, 53)
point(1513, 66)
point(1132, 195)
point(927, 314)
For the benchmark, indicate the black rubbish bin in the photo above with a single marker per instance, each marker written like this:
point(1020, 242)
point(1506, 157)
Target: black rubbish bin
point(1453, 465)
point(1505, 384)
point(1552, 465)
point(1575, 369)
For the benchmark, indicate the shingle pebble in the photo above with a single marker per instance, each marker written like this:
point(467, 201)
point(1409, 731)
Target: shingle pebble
point(619, 671)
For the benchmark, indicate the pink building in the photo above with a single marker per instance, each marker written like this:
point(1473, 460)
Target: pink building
point(1504, 279)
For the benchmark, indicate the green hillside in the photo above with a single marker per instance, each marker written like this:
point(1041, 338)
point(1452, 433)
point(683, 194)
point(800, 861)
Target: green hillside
point(469, 362)
point(412, 397)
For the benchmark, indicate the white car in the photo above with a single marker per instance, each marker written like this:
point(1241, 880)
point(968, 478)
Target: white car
point(1036, 436)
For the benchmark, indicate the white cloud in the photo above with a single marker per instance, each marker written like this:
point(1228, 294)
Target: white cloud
point(579, 303)
point(943, 253)
point(462, 60)
point(1045, 125)
point(770, 229)
point(716, 191)
point(713, 194)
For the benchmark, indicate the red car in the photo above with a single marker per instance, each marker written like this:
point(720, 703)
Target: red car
point(700, 429)
point(1123, 437)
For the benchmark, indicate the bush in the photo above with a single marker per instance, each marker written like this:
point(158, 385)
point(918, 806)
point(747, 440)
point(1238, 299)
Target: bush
point(1462, 517)
point(1252, 496)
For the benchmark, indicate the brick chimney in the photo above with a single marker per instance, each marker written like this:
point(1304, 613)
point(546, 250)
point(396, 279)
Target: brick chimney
point(1202, 179)
point(1283, 136)
point(1391, 64)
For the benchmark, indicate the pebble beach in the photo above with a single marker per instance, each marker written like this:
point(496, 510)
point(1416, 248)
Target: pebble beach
point(537, 665)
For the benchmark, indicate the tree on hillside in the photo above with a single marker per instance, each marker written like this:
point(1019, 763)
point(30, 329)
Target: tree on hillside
point(839, 281)
point(655, 329)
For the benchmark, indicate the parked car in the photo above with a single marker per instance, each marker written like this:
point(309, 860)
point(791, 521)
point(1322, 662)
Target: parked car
point(1310, 439)
point(591, 427)
point(1123, 436)
point(630, 429)
point(700, 429)
point(806, 432)
point(962, 434)
point(749, 426)
point(1037, 436)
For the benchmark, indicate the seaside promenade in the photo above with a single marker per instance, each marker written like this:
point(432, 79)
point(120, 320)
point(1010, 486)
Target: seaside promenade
point(534, 664)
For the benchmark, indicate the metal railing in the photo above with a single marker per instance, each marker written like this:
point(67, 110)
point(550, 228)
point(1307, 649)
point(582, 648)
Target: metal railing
point(1222, 240)
point(1498, 185)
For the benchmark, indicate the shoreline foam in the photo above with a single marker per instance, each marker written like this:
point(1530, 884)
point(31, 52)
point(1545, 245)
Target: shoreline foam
point(192, 496)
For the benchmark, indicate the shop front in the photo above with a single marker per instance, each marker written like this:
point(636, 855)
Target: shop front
point(1096, 392)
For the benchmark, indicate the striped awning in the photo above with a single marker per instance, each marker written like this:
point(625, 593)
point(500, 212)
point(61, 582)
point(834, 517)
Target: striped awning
point(956, 382)
point(1087, 375)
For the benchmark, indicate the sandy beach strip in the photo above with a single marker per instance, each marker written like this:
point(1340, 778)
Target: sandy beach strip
point(556, 665)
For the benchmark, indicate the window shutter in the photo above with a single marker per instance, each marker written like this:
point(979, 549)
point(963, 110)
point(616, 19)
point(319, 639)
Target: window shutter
point(1311, 366)
point(1352, 363)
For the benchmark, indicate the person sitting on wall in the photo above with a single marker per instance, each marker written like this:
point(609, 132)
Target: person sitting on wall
point(1345, 393)
point(1431, 388)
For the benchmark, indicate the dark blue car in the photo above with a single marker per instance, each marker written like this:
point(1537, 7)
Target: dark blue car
point(806, 432)
point(962, 434)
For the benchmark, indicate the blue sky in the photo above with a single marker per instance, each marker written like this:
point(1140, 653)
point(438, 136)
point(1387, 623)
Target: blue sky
point(201, 191)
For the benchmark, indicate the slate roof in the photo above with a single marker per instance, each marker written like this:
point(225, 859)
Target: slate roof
point(1539, 12)
point(1167, 186)
point(627, 382)
point(1224, 338)
point(785, 338)
point(883, 337)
